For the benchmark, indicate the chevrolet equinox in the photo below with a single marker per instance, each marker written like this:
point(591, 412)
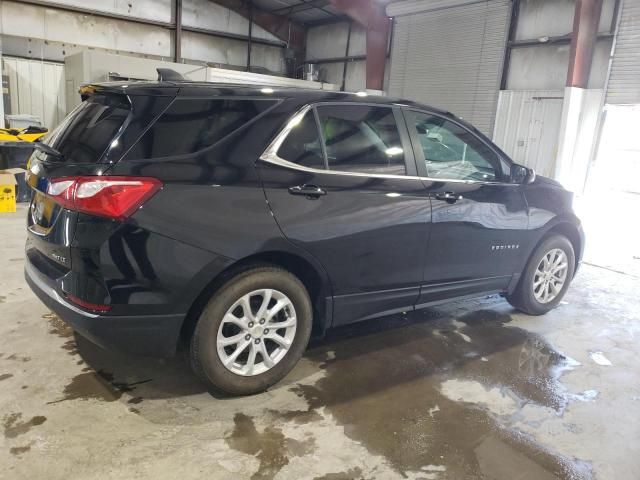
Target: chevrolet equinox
point(240, 219)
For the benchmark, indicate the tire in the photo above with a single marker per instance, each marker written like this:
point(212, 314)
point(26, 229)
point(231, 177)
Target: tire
point(529, 298)
point(216, 326)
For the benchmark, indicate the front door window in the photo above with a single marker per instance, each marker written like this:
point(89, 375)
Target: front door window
point(453, 152)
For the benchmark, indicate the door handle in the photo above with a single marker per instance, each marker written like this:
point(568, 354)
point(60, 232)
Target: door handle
point(309, 191)
point(449, 197)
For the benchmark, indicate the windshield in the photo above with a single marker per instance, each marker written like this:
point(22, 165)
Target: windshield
point(84, 135)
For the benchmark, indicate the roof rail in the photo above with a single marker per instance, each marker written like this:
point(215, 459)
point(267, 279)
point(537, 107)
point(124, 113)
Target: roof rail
point(167, 74)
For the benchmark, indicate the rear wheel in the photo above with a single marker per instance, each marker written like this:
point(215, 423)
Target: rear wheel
point(546, 277)
point(252, 332)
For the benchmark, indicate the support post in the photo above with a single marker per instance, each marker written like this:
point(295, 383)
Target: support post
point(346, 55)
point(513, 25)
point(373, 18)
point(581, 107)
point(583, 41)
point(177, 39)
point(249, 38)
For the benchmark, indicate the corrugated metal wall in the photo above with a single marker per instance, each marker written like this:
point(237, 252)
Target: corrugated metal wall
point(527, 127)
point(624, 79)
point(36, 88)
point(451, 57)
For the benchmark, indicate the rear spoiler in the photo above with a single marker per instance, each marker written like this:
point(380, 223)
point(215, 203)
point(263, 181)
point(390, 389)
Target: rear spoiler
point(164, 75)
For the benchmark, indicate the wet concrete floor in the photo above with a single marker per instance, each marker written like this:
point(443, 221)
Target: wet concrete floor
point(468, 390)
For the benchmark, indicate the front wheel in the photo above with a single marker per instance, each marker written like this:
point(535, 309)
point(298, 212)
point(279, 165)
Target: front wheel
point(252, 332)
point(546, 277)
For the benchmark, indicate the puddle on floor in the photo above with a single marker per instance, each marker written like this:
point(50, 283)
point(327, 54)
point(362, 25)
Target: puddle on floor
point(271, 447)
point(57, 326)
point(18, 358)
point(15, 426)
point(432, 394)
point(440, 393)
point(351, 474)
point(19, 450)
point(98, 385)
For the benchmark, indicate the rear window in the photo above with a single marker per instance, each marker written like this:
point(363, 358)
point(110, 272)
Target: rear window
point(190, 125)
point(85, 134)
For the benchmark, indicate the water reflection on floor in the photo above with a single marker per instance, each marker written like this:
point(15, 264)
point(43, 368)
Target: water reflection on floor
point(433, 392)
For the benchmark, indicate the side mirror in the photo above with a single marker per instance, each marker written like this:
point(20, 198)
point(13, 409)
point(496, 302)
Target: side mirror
point(522, 174)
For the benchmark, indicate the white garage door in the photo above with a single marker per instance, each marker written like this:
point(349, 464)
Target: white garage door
point(449, 54)
point(624, 80)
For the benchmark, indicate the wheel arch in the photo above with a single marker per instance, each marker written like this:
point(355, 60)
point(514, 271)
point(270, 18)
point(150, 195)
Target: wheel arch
point(572, 232)
point(312, 276)
point(566, 226)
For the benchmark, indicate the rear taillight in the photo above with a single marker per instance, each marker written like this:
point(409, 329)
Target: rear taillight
point(104, 196)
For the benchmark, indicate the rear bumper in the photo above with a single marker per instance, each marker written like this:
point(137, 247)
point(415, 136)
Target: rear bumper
point(150, 335)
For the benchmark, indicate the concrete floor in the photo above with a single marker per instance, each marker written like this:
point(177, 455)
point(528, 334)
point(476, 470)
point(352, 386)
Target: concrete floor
point(466, 390)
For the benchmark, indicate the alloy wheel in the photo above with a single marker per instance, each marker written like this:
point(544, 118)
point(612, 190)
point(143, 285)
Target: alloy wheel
point(550, 275)
point(256, 332)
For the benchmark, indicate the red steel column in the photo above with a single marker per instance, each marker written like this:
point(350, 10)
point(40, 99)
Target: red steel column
point(372, 16)
point(583, 41)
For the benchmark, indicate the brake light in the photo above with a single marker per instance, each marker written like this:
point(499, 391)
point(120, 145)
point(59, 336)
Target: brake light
point(113, 197)
point(94, 307)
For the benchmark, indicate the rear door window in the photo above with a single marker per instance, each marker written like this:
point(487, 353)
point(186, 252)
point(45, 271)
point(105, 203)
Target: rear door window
point(361, 138)
point(193, 124)
point(86, 133)
point(302, 145)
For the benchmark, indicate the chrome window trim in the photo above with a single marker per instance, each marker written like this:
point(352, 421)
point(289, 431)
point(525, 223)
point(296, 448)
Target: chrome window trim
point(270, 155)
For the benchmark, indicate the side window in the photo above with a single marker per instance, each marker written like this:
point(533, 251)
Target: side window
point(192, 124)
point(360, 138)
point(302, 145)
point(452, 152)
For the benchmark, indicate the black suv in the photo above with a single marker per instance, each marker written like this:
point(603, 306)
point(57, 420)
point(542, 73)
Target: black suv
point(240, 219)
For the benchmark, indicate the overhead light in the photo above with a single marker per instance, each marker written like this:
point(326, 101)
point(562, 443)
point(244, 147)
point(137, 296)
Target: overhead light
point(267, 90)
point(393, 194)
point(361, 94)
point(391, 151)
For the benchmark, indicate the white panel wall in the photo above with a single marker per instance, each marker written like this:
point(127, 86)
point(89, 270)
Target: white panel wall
point(31, 30)
point(209, 15)
point(543, 66)
point(158, 10)
point(527, 125)
point(206, 48)
point(37, 88)
point(32, 21)
point(539, 18)
point(330, 41)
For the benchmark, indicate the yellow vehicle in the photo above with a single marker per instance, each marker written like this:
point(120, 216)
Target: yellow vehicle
point(29, 134)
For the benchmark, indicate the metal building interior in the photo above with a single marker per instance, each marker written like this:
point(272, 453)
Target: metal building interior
point(467, 389)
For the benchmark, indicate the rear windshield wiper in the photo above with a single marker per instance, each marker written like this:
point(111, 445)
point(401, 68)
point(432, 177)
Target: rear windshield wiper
point(34, 146)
